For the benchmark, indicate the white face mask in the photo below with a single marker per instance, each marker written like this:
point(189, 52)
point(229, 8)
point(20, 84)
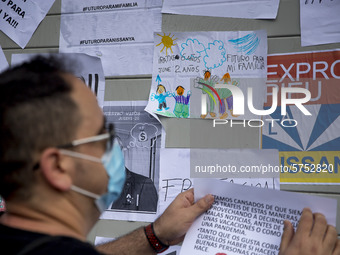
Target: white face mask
point(113, 162)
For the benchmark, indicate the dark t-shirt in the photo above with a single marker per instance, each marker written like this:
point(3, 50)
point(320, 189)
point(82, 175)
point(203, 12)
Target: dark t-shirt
point(13, 241)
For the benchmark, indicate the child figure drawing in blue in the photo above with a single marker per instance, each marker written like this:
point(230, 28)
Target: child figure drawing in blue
point(161, 96)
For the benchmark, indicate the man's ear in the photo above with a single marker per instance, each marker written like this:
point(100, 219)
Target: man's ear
point(54, 171)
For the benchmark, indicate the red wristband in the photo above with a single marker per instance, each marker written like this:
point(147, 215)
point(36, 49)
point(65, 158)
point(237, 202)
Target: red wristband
point(155, 243)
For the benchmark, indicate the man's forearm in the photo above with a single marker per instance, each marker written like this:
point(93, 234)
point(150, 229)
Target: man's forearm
point(130, 244)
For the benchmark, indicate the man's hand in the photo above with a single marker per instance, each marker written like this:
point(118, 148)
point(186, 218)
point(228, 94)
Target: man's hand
point(313, 236)
point(172, 225)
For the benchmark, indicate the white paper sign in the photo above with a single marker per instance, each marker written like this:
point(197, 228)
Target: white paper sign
point(120, 34)
point(175, 171)
point(245, 220)
point(90, 70)
point(3, 61)
point(20, 18)
point(320, 23)
point(255, 9)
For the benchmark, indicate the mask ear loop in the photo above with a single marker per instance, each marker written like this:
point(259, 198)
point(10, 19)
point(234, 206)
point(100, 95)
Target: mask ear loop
point(80, 155)
point(86, 157)
point(84, 192)
point(98, 202)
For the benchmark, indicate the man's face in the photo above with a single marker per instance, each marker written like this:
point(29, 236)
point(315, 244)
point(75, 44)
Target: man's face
point(89, 175)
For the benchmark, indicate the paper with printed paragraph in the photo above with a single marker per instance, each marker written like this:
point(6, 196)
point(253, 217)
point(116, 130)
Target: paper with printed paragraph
point(247, 220)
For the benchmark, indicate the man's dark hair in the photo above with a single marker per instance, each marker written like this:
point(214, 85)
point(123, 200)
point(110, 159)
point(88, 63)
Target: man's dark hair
point(36, 112)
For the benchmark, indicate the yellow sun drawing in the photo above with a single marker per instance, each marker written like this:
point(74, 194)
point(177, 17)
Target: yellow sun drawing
point(167, 41)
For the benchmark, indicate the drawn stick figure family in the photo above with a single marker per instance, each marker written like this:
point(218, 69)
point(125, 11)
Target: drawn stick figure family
point(207, 85)
point(181, 109)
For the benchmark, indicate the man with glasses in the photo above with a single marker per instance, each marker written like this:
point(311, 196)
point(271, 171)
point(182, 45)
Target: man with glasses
point(60, 170)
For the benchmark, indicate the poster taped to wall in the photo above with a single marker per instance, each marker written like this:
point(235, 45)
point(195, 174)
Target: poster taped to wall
point(176, 177)
point(320, 23)
point(21, 18)
point(190, 67)
point(87, 68)
point(120, 33)
point(247, 220)
point(255, 9)
point(309, 145)
point(141, 137)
